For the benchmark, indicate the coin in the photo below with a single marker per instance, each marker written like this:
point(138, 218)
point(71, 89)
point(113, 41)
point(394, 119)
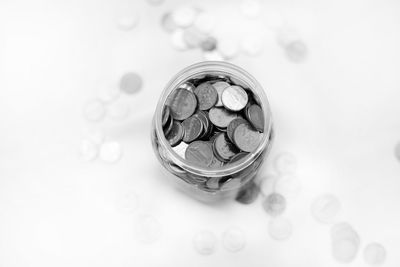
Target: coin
point(232, 126)
point(165, 115)
point(206, 123)
point(248, 194)
point(167, 23)
point(199, 153)
point(130, 83)
point(188, 86)
point(216, 163)
point(231, 184)
point(221, 117)
point(238, 156)
point(176, 134)
point(274, 204)
point(182, 104)
point(234, 98)
point(255, 116)
point(168, 126)
point(223, 148)
point(219, 87)
point(206, 96)
point(374, 254)
point(246, 139)
point(193, 128)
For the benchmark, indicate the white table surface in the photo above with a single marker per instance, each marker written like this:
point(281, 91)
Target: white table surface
point(337, 112)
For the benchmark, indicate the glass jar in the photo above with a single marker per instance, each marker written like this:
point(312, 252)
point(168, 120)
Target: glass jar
point(229, 178)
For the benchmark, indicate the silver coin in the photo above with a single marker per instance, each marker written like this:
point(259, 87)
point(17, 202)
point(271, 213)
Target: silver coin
point(221, 117)
point(205, 242)
point(374, 254)
point(325, 208)
point(234, 98)
point(199, 153)
point(182, 103)
point(245, 138)
point(219, 87)
point(233, 239)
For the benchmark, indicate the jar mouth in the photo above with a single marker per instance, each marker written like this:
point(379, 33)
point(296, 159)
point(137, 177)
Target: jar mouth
point(215, 68)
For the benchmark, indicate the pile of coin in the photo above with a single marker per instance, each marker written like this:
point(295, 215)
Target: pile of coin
point(213, 121)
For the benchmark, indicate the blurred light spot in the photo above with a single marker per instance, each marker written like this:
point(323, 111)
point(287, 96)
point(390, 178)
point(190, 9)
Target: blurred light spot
point(296, 51)
point(285, 163)
point(280, 228)
point(131, 83)
point(288, 185)
point(374, 254)
point(88, 150)
point(178, 41)
point(205, 22)
point(268, 184)
point(109, 94)
point(250, 8)
point(110, 151)
point(209, 44)
point(274, 204)
point(184, 16)
point(345, 242)
point(252, 45)
point(148, 229)
point(119, 111)
point(228, 48)
point(212, 56)
point(128, 22)
point(155, 2)
point(325, 208)
point(205, 242)
point(167, 23)
point(128, 202)
point(233, 239)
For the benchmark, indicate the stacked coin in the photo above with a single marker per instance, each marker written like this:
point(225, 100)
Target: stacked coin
point(218, 121)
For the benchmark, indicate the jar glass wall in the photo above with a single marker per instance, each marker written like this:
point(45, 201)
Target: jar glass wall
point(212, 184)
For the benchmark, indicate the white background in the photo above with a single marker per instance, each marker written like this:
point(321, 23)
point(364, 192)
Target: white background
point(337, 112)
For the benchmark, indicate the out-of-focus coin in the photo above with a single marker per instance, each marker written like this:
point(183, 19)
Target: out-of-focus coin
point(94, 110)
point(296, 51)
point(325, 208)
point(280, 228)
point(374, 254)
point(223, 148)
point(184, 16)
point(248, 194)
point(246, 139)
point(344, 250)
point(188, 86)
point(255, 116)
point(228, 48)
point(176, 134)
point(234, 98)
point(131, 83)
point(274, 204)
point(193, 127)
point(205, 22)
point(205, 242)
point(165, 115)
point(206, 95)
point(147, 229)
point(193, 37)
point(208, 44)
point(167, 23)
point(88, 150)
point(110, 151)
point(182, 103)
point(285, 163)
point(344, 230)
point(181, 149)
point(168, 126)
point(239, 156)
point(178, 41)
point(232, 126)
point(219, 87)
point(289, 186)
point(199, 153)
point(233, 239)
point(231, 184)
point(221, 117)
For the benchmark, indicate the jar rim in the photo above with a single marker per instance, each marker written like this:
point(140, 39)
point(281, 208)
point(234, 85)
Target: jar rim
point(213, 67)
